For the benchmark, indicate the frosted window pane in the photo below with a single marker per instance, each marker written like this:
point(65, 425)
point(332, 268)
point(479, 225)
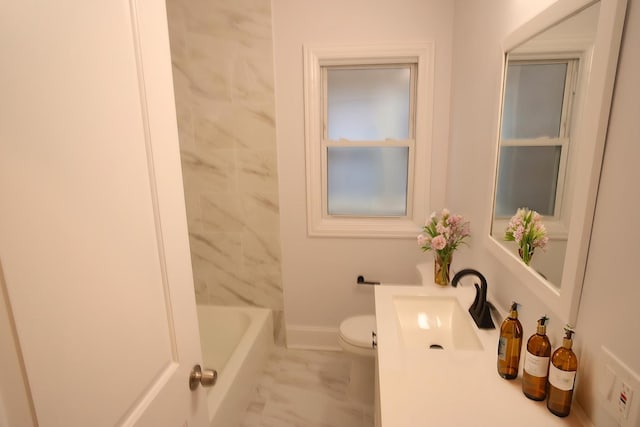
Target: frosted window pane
point(368, 104)
point(528, 176)
point(367, 181)
point(533, 100)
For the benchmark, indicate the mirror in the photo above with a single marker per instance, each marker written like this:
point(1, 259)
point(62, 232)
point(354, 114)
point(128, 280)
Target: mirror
point(545, 78)
point(558, 78)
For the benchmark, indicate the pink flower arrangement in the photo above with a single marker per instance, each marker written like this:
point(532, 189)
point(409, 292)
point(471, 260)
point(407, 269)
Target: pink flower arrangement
point(527, 230)
point(443, 234)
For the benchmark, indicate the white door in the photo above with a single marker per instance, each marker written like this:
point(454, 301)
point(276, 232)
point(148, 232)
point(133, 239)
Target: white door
point(93, 238)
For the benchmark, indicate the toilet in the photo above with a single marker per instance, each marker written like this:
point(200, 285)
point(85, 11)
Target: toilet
point(356, 339)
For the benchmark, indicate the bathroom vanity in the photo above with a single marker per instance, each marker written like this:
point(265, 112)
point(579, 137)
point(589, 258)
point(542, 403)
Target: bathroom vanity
point(435, 367)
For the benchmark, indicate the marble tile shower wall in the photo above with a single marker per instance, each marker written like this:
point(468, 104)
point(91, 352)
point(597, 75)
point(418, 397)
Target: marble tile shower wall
point(222, 57)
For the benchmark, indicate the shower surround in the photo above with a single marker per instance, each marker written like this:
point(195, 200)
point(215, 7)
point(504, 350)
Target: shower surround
point(222, 58)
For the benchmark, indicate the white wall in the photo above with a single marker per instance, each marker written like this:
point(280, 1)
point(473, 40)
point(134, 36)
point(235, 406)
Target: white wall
point(319, 273)
point(15, 409)
point(609, 307)
point(480, 28)
point(608, 310)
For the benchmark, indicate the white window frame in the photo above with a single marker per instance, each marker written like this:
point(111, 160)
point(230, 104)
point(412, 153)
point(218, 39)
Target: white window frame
point(319, 222)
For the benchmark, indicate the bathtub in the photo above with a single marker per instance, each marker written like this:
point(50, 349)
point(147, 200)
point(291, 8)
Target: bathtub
point(235, 342)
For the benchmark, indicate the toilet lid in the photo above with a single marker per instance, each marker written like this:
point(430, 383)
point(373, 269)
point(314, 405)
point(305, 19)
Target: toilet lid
point(357, 330)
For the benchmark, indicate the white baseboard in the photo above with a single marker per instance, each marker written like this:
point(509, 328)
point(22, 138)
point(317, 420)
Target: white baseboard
point(312, 338)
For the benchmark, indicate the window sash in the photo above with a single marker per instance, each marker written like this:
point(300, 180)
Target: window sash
point(409, 143)
point(571, 80)
point(412, 92)
point(563, 143)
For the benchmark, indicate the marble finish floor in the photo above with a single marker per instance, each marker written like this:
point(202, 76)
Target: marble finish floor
point(305, 388)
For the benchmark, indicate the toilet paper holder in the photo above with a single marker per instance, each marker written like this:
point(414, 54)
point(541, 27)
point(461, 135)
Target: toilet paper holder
point(360, 281)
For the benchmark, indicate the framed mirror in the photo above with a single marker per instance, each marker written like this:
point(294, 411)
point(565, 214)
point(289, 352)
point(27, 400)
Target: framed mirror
point(558, 76)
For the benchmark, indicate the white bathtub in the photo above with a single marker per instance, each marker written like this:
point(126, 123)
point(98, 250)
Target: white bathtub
point(235, 342)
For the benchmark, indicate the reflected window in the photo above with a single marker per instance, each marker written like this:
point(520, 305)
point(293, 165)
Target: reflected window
point(527, 176)
point(533, 100)
point(535, 138)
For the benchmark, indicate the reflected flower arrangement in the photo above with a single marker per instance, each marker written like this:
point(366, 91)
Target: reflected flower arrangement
point(528, 232)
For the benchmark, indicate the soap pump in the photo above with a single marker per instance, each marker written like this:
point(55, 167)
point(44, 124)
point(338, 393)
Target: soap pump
point(510, 344)
point(562, 376)
point(536, 363)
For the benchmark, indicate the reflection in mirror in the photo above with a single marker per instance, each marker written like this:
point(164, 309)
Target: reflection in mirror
point(545, 78)
point(559, 72)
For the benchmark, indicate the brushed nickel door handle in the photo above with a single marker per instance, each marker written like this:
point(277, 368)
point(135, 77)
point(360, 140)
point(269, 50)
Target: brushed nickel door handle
point(198, 376)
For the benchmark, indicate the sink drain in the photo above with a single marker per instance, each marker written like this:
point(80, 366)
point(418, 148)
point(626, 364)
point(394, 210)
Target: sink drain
point(436, 346)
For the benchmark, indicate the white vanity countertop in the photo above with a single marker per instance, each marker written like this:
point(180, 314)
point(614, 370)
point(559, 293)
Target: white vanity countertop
point(439, 388)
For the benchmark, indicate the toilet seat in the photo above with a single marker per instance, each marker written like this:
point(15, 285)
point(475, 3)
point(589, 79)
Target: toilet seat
point(357, 330)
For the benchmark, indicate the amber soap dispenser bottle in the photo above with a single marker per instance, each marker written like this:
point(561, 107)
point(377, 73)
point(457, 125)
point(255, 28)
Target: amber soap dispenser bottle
point(562, 376)
point(510, 344)
point(536, 363)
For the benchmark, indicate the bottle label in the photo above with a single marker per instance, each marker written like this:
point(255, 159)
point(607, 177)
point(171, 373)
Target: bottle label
point(502, 348)
point(560, 379)
point(536, 366)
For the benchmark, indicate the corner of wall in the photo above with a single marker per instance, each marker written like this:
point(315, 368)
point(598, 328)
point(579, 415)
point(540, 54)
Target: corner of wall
point(15, 409)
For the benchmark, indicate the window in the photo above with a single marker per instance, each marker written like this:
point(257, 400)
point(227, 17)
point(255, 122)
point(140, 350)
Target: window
point(368, 138)
point(534, 141)
point(368, 119)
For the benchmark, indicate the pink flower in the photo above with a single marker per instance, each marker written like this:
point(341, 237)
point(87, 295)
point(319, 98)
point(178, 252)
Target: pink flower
point(442, 229)
point(544, 241)
point(515, 222)
point(519, 233)
point(443, 233)
point(438, 242)
point(466, 230)
point(454, 220)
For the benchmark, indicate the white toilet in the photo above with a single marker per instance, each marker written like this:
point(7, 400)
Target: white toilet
point(356, 339)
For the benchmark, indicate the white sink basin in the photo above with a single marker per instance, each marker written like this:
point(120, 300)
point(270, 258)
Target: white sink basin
point(435, 322)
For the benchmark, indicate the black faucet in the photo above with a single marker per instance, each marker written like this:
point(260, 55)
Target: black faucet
point(480, 310)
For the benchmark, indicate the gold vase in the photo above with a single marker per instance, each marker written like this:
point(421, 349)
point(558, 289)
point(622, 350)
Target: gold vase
point(441, 268)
